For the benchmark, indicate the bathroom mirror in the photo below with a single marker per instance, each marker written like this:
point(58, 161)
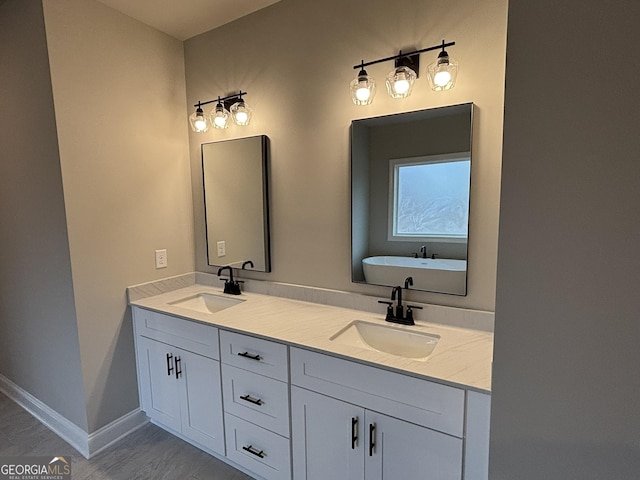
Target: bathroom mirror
point(236, 198)
point(410, 181)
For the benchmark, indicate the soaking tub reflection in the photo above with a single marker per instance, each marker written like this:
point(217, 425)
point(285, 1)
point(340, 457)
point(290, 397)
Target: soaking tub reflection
point(432, 274)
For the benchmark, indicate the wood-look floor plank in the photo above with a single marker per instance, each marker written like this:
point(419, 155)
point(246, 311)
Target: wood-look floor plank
point(148, 453)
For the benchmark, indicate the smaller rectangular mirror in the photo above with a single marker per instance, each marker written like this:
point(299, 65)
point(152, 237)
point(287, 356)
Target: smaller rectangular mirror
point(236, 197)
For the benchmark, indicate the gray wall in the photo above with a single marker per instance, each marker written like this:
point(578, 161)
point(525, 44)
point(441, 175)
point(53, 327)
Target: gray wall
point(566, 386)
point(119, 93)
point(39, 348)
point(94, 177)
point(296, 63)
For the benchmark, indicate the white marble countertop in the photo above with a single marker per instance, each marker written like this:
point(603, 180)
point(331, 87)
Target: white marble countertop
point(462, 357)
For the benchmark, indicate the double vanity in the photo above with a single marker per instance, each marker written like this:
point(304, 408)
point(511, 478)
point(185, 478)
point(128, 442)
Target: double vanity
point(283, 388)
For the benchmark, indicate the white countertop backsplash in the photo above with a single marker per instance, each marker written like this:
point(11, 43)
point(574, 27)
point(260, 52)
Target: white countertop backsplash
point(308, 317)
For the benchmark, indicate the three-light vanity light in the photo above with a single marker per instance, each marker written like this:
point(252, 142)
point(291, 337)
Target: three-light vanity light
point(227, 109)
point(441, 75)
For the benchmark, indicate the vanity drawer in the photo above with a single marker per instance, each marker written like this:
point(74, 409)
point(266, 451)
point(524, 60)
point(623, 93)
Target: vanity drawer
point(415, 400)
point(255, 354)
point(257, 449)
point(257, 399)
point(191, 336)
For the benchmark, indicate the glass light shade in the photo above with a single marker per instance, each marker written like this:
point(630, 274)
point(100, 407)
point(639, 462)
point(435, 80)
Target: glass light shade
point(198, 121)
point(442, 73)
point(363, 89)
point(220, 117)
point(241, 113)
point(400, 82)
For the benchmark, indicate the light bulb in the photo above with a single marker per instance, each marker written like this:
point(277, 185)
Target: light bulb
point(198, 121)
point(442, 78)
point(220, 116)
point(443, 72)
point(401, 86)
point(363, 88)
point(241, 113)
point(400, 82)
point(220, 121)
point(363, 93)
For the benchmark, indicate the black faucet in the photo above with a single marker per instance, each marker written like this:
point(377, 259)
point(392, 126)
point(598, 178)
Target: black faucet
point(231, 286)
point(248, 262)
point(423, 251)
point(399, 308)
point(399, 316)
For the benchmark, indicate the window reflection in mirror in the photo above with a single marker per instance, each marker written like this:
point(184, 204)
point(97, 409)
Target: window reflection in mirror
point(410, 181)
point(429, 198)
point(235, 183)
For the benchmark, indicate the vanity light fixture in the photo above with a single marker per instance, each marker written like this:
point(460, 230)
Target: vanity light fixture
point(363, 88)
point(230, 107)
point(441, 74)
point(198, 121)
point(241, 112)
point(220, 116)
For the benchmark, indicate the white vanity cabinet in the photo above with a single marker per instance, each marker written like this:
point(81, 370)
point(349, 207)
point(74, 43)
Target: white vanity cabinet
point(280, 412)
point(255, 378)
point(355, 421)
point(179, 376)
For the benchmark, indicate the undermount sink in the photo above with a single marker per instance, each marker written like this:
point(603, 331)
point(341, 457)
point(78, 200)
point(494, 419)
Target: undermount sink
point(400, 341)
point(206, 302)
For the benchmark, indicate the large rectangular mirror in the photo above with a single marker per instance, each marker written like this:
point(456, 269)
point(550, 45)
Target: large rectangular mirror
point(236, 196)
point(410, 181)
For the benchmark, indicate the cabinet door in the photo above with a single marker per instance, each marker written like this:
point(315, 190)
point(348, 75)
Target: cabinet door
point(201, 394)
point(396, 449)
point(159, 389)
point(327, 437)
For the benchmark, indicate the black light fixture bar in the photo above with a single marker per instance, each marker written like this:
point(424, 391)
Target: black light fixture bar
point(223, 100)
point(404, 55)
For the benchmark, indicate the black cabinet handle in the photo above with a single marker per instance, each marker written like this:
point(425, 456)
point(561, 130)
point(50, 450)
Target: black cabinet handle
point(354, 432)
point(178, 369)
point(250, 399)
point(372, 438)
point(169, 364)
point(253, 451)
point(248, 355)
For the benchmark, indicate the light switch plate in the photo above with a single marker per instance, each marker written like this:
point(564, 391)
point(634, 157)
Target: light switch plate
point(222, 248)
point(161, 258)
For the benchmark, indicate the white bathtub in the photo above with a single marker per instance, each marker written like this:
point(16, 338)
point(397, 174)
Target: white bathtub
point(432, 274)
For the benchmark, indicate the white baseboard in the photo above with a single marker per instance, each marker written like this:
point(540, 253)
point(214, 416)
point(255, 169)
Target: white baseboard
point(85, 443)
point(116, 430)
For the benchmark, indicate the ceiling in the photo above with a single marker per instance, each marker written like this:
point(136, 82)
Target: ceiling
point(184, 19)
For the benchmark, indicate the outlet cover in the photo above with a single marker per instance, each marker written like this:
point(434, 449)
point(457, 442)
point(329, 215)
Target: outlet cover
point(222, 248)
point(161, 258)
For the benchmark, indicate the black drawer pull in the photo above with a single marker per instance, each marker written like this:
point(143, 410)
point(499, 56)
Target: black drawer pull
point(250, 399)
point(178, 369)
point(248, 355)
point(253, 451)
point(372, 438)
point(354, 432)
point(169, 363)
